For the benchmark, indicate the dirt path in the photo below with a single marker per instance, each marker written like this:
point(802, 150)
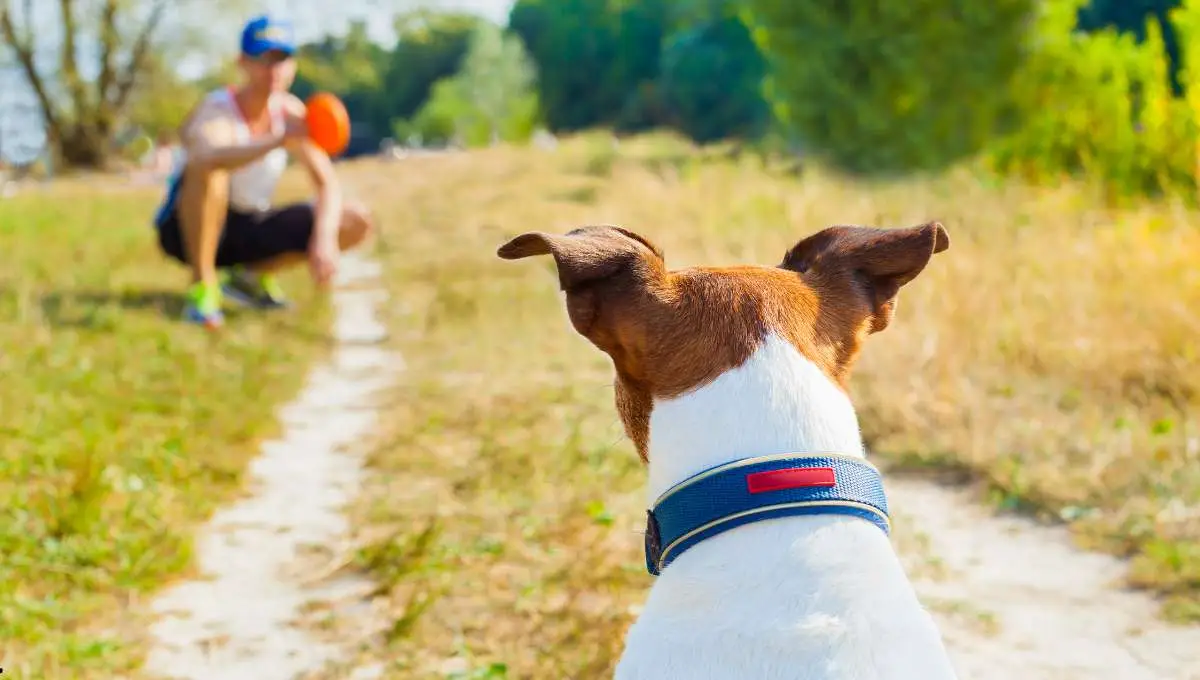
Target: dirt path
point(1017, 600)
point(238, 623)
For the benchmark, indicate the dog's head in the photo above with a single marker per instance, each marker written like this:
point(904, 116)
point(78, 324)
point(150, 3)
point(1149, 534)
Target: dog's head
point(669, 332)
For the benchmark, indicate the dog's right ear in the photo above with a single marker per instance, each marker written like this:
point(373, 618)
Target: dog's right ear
point(880, 260)
point(592, 260)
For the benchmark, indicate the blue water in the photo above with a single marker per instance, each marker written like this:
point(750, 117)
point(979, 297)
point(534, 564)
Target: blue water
point(22, 134)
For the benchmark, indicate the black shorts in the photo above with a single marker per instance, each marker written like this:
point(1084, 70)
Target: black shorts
point(248, 237)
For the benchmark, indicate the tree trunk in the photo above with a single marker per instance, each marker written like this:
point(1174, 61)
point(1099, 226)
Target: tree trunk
point(84, 148)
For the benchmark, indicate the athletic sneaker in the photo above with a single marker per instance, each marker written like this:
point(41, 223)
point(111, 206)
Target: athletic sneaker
point(204, 305)
point(261, 291)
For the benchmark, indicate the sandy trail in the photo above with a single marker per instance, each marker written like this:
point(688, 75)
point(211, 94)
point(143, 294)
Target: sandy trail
point(1015, 600)
point(239, 622)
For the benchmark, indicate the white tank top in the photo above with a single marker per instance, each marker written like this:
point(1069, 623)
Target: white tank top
point(252, 186)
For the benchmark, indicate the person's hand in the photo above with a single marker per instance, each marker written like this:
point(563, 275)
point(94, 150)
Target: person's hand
point(323, 261)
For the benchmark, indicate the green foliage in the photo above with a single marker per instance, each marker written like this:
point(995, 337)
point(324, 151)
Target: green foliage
point(491, 98)
point(711, 82)
point(574, 43)
point(1131, 16)
point(1095, 88)
point(632, 66)
point(380, 86)
point(220, 75)
point(431, 46)
point(496, 71)
point(350, 67)
point(685, 14)
point(592, 56)
point(1100, 105)
point(880, 87)
point(444, 116)
point(159, 105)
point(641, 28)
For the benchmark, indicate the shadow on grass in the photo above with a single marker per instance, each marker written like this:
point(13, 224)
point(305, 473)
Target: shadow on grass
point(93, 310)
point(89, 308)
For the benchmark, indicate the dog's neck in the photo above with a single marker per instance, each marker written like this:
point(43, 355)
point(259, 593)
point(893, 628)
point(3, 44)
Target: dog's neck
point(776, 402)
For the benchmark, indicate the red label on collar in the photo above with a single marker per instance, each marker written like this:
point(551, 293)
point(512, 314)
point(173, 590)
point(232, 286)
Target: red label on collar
point(791, 478)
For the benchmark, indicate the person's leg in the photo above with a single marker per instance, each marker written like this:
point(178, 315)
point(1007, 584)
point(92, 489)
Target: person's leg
point(201, 210)
point(277, 240)
point(203, 301)
point(356, 225)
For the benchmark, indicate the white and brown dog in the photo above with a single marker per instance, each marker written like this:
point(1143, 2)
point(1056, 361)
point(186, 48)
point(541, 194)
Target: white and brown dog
point(768, 530)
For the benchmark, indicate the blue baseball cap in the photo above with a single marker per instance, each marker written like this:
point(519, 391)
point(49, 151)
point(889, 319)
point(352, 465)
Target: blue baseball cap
point(265, 33)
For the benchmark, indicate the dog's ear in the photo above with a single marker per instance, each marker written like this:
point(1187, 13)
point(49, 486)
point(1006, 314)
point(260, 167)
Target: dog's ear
point(882, 260)
point(583, 255)
point(592, 260)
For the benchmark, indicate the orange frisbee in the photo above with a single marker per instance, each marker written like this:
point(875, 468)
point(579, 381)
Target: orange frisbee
point(328, 122)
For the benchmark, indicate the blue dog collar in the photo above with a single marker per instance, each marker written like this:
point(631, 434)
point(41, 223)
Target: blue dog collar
point(755, 489)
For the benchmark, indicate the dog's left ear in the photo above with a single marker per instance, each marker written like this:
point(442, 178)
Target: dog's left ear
point(882, 259)
point(599, 267)
point(585, 254)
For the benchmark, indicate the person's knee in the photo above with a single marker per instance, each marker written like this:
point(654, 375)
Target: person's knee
point(204, 186)
point(206, 176)
point(357, 225)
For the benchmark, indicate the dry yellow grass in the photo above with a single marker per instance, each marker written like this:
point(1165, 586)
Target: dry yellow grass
point(1053, 350)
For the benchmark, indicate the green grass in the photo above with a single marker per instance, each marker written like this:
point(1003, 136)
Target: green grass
point(120, 426)
point(1052, 353)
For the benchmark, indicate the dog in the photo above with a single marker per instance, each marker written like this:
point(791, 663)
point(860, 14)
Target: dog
point(768, 530)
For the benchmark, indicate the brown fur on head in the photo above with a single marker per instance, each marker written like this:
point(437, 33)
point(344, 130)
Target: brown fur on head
point(669, 332)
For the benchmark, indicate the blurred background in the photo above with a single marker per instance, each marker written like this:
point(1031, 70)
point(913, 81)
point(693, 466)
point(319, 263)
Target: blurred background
point(1040, 89)
point(1050, 359)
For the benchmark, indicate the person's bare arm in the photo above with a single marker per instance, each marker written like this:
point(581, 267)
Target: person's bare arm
point(209, 137)
point(329, 200)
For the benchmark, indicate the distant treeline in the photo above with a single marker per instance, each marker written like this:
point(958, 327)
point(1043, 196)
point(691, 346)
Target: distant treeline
point(628, 65)
point(1042, 89)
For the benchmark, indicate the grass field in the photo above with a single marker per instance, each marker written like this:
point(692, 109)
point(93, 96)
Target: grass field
point(120, 427)
point(1053, 352)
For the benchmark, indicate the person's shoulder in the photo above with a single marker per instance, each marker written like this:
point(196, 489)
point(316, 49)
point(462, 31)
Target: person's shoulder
point(213, 104)
point(212, 114)
point(292, 104)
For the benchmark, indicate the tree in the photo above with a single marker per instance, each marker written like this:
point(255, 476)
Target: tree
point(82, 113)
point(352, 67)
point(445, 116)
point(491, 98)
point(430, 46)
point(159, 105)
point(891, 85)
point(496, 73)
point(711, 82)
point(1131, 16)
point(605, 62)
point(575, 44)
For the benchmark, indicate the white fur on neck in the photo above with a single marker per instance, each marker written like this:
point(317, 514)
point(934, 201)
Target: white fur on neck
point(776, 402)
point(798, 598)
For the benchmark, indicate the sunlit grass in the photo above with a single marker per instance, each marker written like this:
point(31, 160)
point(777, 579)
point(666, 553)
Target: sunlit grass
point(1053, 350)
